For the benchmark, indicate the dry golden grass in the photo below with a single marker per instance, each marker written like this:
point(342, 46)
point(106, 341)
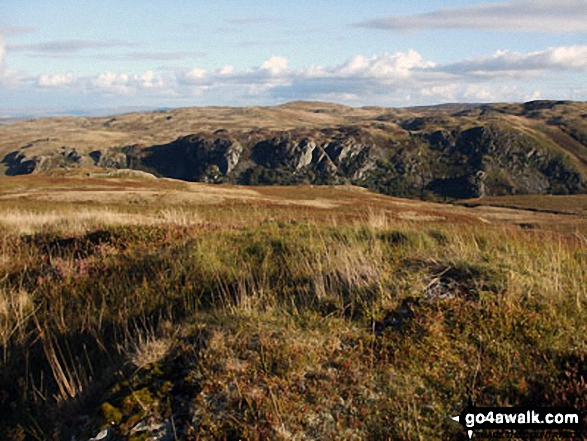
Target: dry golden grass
point(22, 222)
point(16, 308)
point(33, 203)
point(148, 349)
point(29, 222)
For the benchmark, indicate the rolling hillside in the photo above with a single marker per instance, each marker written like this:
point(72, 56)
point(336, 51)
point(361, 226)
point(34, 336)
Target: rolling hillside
point(443, 152)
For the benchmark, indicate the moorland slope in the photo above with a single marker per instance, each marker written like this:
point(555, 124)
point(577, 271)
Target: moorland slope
point(134, 308)
point(458, 151)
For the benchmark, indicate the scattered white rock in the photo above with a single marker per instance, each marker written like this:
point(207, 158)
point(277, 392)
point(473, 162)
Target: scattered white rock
point(104, 435)
point(159, 432)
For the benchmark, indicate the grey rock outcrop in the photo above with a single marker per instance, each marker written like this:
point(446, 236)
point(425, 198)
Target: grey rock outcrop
point(473, 152)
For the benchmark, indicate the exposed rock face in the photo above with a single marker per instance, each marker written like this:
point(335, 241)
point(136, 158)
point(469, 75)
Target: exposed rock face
point(454, 164)
point(194, 158)
point(269, 157)
point(19, 163)
point(109, 159)
point(307, 150)
point(485, 161)
point(474, 152)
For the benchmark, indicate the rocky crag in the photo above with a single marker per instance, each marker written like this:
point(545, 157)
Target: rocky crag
point(445, 152)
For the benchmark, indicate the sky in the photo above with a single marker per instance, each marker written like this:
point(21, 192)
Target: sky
point(66, 56)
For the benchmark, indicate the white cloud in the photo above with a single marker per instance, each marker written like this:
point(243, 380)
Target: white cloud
point(391, 79)
point(446, 93)
point(394, 65)
point(194, 76)
point(513, 15)
point(572, 58)
point(149, 80)
point(275, 65)
point(483, 93)
point(57, 80)
point(8, 77)
point(226, 70)
point(112, 83)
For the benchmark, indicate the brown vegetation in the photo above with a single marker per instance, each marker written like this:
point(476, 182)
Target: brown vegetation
point(222, 312)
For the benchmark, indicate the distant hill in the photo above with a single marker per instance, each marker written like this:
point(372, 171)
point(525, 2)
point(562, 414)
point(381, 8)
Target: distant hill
point(446, 151)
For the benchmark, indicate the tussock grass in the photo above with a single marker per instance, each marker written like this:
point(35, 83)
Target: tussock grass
point(16, 308)
point(268, 331)
point(29, 222)
point(23, 222)
point(149, 346)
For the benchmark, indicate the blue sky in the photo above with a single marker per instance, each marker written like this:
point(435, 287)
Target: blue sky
point(58, 55)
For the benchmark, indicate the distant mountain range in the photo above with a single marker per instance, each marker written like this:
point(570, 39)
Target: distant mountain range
point(438, 152)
